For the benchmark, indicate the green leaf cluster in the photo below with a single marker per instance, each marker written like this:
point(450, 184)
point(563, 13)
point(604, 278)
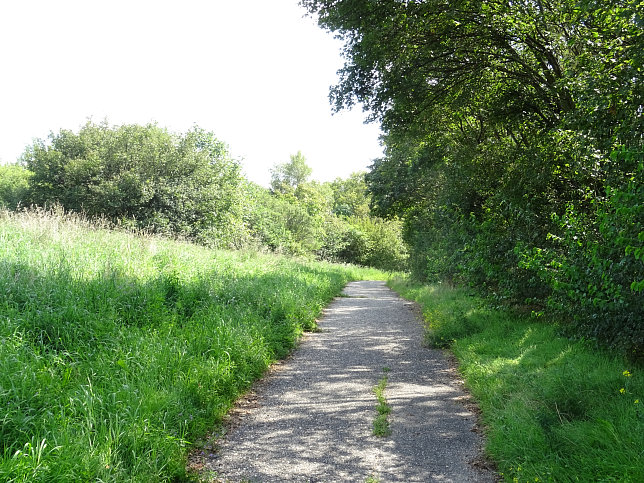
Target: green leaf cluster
point(513, 146)
point(14, 185)
point(144, 176)
point(331, 221)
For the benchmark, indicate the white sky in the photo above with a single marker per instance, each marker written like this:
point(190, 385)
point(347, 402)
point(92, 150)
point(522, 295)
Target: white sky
point(255, 72)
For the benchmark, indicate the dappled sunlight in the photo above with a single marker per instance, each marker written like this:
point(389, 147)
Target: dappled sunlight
point(500, 364)
point(316, 415)
point(561, 357)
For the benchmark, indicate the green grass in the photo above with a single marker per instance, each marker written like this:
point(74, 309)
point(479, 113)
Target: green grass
point(117, 351)
point(381, 422)
point(554, 409)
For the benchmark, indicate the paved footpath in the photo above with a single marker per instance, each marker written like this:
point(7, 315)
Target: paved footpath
point(312, 421)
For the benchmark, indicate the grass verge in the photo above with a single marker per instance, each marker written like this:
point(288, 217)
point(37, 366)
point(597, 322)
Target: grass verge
point(117, 351)
point(554, 409)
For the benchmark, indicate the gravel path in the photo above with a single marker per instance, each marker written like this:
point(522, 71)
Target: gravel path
point(312, 416)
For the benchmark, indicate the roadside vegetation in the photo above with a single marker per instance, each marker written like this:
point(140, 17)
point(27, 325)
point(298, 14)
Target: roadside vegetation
point(127, 326)
point(117, 351)
point(514, 156)
point(514, 147)
point(554, 409)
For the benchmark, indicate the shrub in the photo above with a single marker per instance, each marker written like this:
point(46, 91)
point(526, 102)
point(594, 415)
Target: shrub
point(14, 186)
point(184, 185)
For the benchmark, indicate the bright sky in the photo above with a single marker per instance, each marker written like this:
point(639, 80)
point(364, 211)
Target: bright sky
point(255, 72)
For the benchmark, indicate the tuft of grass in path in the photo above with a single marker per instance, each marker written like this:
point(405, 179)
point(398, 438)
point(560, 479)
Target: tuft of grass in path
point(554, 409)
point(381, 422)
point(117, 351)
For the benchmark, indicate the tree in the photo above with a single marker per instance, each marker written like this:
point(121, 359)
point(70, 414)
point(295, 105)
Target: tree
point(404, 58)
point(509, 129)
point(286, 177)
point(169, 183)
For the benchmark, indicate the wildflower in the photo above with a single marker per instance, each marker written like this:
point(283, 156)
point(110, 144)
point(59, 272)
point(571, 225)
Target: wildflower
point(627, 374)
point(637, 401)
point(622, 391)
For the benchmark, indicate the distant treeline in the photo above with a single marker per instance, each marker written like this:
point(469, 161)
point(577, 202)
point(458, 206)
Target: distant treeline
point(189, 186)
point(514, 147)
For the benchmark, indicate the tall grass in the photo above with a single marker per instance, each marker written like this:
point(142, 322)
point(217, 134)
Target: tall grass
point(117, 351)
point(554, 409)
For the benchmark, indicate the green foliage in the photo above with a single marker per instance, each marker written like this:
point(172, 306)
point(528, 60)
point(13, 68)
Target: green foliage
point(14, 185)
point(283, 224)
point(328, 220)
point(118, 352)
point(315, 197)
point(287, 177)
point(600, 272)
point(554, 410)
point(187, 186)
point(374, 242)
point(512, 138)
point(404, 58)
point(350, 196)
point(143, 176)
point(290, 217)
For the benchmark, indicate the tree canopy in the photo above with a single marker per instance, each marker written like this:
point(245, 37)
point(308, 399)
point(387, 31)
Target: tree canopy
point(286, 177)
point(14, 185)
point(484, 65)
point(168, 183)
point(514, 141)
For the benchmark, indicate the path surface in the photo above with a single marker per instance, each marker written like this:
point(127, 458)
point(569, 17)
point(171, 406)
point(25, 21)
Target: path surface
point(314, 413)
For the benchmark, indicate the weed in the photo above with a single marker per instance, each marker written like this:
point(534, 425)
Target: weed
point(381, 422)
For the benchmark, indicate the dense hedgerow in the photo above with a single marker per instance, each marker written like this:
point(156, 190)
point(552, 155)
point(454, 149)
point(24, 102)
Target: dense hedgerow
point(514, 147)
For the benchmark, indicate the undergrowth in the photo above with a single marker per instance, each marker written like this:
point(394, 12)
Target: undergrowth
point(117, 351)
point(554, 409)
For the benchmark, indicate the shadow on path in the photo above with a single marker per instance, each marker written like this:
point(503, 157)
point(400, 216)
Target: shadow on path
point(314, 417)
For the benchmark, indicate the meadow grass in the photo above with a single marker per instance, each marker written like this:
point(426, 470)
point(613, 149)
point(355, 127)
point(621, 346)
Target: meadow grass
point(117, 351)
point(554, 409)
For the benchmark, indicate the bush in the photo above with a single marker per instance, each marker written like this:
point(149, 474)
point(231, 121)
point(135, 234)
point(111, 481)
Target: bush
point(598, 277)
point(142, 175)
point(14, 186)
point(367, 241)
